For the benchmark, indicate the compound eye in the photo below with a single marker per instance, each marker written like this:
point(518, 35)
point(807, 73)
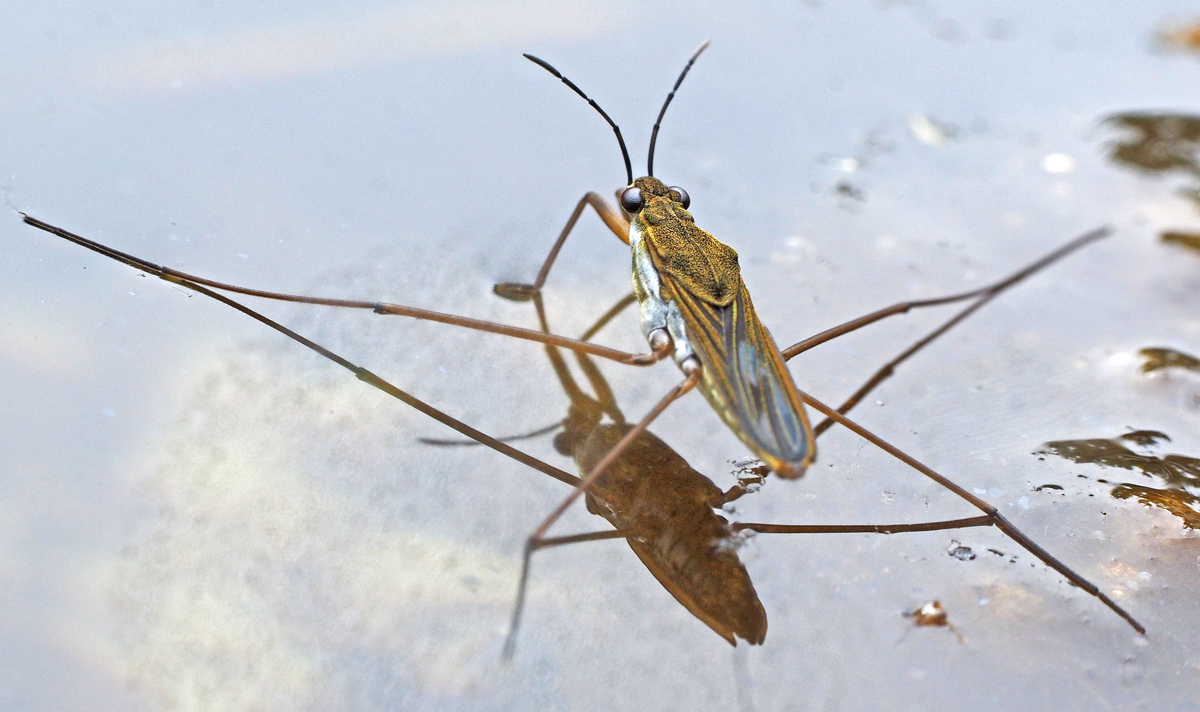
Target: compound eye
point(632, 201)
point(684, 199)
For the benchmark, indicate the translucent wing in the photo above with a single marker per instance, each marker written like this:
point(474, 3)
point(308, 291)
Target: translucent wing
point(745, 378)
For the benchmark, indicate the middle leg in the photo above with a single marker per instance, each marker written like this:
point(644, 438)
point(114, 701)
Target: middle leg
point(521, 292)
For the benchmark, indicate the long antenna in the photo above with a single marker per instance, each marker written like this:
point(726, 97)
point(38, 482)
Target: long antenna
point(654, 134)
point(624, 151)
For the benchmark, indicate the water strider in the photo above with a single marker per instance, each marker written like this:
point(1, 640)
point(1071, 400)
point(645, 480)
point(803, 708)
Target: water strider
point(671, 515)
point(694, 307)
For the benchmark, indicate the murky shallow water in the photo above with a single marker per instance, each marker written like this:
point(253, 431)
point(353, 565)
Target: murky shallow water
point(197, 514)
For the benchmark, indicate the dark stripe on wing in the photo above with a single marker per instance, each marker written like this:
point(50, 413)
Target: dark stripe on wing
point(745, 379)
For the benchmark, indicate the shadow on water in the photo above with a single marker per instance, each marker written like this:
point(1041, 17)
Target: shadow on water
point(1178, 475)
point(1161, 144)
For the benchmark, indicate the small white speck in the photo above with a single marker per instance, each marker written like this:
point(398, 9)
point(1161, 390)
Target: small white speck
point(108, 413)
point(849, 165)
point(132, 294)
point(878, 402)
point(1145, 576)
point(1098, 535)
point(1121, 358)
point(441, 369)
point(1058, 163)
point(243, 255)
point(1023, 502)
point(979, 491)
point(797, 249)
point(810, 496)
point(1140, 641)
point(927, 131)
point(983, 601)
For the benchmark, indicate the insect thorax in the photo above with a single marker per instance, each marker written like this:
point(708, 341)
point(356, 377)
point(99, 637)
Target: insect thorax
point(667, 244)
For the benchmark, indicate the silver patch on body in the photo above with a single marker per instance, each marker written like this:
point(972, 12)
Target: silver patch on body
point(656, 312)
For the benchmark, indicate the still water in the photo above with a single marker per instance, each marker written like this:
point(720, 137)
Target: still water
point(196, 513)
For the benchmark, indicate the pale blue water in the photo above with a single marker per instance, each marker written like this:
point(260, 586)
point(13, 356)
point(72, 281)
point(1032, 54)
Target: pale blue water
point(195, 514)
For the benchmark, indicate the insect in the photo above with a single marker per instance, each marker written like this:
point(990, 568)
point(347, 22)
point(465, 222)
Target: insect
point(694, 308)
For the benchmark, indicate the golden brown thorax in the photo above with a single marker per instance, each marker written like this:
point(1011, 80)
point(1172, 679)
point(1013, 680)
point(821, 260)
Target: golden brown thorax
point(699, 262)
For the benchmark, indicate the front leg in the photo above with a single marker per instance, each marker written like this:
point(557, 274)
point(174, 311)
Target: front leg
point(519, 292)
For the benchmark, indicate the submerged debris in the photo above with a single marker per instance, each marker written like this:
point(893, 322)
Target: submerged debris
point(1186, 240)
point(1156, 142)
point(1159, 144)
point(1179, 474)
point(1145, 438)
point(1184, 505)
point(846, 189)
point(930, 132)
point(1159, 359)
point(932, 614)
point(1183, 37)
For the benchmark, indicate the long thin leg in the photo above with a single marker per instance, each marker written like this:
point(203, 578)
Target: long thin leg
point(1000, 521)
point(903, 307)
point(608, 316)
point(549, 542)
point(984, 521)
point(531, 544)
point(611, 217)
point(528, 435)
point(171, 275)
point(371, 379)
point(604, 394)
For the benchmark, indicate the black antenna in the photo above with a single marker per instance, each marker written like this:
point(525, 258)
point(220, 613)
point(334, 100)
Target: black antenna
point(624, 151)
point(654, 134)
